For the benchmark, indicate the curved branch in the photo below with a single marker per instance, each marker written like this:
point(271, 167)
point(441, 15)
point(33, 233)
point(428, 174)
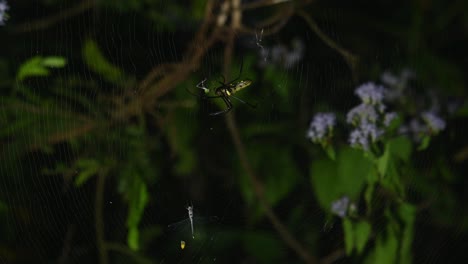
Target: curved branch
point(351, 59)
point(46, 22)
point(260, 193)
point(242, 153)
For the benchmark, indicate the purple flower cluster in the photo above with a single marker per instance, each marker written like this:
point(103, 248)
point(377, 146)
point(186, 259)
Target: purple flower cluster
point(397, 84)
point(340, 206)
point(362, 113)
point(371, 121)
point(370, 93)
point(321, 127)
point(429, 123)
point(433, 121)
point(3, 9)
point(367, 117)
point(360, 136)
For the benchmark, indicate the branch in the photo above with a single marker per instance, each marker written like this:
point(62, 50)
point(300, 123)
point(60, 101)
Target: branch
point(242, 153)
point(351, 59)
point(99, 218)
point(46, 22)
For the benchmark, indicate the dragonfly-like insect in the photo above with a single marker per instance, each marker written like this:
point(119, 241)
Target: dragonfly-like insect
point(192, 220)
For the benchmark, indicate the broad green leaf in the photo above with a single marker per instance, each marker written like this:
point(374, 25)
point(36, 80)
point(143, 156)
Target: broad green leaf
point(32, 67)
point(368, 196)
point(345, 176)
point(38, 66)
point(356, 234)
point(54, 62)
point(362, 232)
point(324, 177)
point(99, 64)
point(382, 162)
point(400, 147)
point(348, 235)
point(386, 249)
point(133, 238)
point(407, 213)
point(138, 199)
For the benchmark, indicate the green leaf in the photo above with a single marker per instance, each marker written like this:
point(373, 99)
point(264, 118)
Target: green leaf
point(330, 151)
point(382, 162)
point(32, 67)
point(133, 238)
point(37, 66)
point(424, 143)
point(87, 168)
point(99, 64)
point(400, 147)
point(54, 62)
point(345, 176)
point(138, 198)
point(362, 232)
point(407, 214)
point(356, 235)
point(348, 235)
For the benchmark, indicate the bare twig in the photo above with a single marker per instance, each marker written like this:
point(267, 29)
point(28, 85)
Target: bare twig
point(272, 24)
point(99, 218)
point(334, 256)
point(351, 59)
point(67, 244)
point(46, 22)
point(263, 3)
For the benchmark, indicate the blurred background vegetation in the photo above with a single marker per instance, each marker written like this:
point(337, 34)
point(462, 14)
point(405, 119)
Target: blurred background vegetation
point(102, 145)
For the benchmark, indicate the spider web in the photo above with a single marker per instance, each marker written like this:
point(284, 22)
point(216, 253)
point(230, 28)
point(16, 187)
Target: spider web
point(87, 156)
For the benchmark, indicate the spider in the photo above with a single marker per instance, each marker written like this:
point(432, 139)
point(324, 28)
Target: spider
point(225, 91)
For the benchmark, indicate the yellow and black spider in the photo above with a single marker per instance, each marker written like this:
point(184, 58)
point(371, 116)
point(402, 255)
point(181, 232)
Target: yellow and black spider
point(225, 91)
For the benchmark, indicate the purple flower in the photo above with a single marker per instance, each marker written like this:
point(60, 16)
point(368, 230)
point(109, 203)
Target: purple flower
point(362, 136)
point(389, 117)
point(362, 113)
point(3, 8)
point(434, 122)
point(321, 126)
point(340, 206)
point(370, 93)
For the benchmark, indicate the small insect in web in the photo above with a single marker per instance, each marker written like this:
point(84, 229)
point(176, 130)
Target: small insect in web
point(193, 221)
point(225, 91)
point(182, 244)
point(259, 39)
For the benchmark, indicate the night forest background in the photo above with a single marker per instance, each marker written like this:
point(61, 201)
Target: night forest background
point(349, 145)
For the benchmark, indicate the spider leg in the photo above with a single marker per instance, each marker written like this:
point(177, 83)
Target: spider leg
point(244, 102)
point(240, 70)
point(228, 104)
point(201, 85)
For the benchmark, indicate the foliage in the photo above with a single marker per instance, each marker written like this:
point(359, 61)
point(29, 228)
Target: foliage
point(373, 176)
